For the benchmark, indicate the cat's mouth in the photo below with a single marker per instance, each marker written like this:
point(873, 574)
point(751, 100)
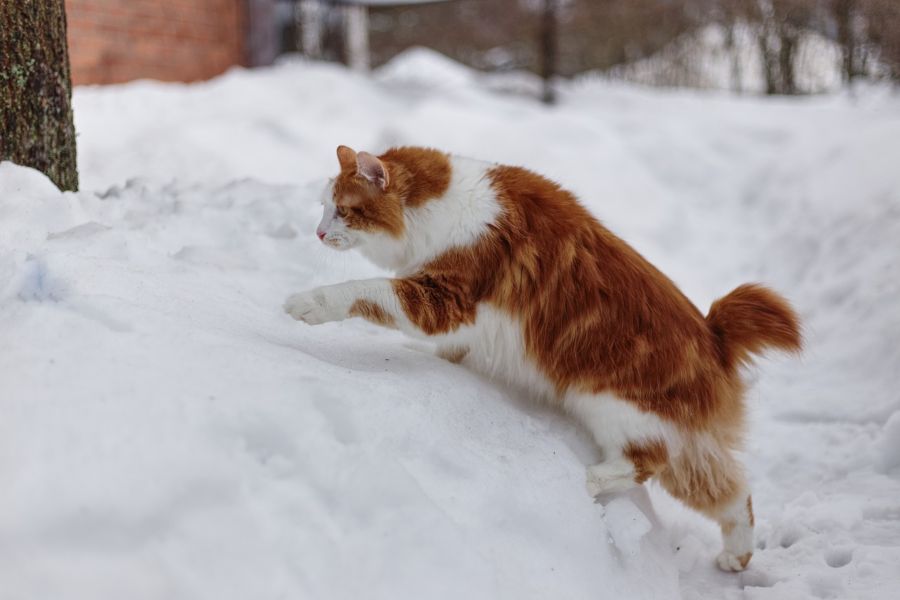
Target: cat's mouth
point(338, 242)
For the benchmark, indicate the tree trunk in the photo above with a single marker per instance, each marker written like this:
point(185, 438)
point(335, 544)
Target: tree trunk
point(36, 127)
point(769, 61)
point(786, 54)
point(734, 52)
point(843, 17)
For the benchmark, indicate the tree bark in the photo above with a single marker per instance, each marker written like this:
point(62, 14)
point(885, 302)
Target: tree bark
point(36, 127)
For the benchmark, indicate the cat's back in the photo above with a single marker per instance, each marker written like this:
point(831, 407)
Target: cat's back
point(543, 248)
point(566, 270)
point(594, 314)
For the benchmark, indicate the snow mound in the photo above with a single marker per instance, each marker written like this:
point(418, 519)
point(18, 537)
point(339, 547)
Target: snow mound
point(160, 408)
point(425, 67)
point(168, 433)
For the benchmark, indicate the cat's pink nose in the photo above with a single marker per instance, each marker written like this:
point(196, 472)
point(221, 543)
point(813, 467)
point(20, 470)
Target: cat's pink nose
point(320, 233)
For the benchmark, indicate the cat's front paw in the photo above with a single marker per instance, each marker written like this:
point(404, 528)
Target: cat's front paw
point(312, 307)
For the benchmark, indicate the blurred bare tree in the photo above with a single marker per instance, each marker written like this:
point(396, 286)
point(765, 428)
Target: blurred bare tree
point(782, 24)
point(614, 32)
point(879, 22)
point(603, 34)
point(487, 35)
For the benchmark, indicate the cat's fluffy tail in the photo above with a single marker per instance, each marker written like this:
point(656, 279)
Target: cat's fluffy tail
point(751, 319)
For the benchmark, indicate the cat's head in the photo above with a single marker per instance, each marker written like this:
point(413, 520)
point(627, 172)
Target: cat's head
point(363, 205)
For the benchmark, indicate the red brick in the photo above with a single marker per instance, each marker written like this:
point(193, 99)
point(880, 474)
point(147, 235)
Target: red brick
point(172, 40)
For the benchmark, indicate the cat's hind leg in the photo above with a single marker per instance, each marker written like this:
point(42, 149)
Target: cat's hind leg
point(710, 480)
point(736, 522)
point(631, 466)
point(634, 443)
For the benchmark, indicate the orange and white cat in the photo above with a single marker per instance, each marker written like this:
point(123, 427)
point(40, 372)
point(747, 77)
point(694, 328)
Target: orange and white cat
point(508, 273)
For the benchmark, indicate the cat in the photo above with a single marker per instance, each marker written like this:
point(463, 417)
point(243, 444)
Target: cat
point(509, 274)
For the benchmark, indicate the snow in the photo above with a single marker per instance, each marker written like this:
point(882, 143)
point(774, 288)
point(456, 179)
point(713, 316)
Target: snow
point(168, 433)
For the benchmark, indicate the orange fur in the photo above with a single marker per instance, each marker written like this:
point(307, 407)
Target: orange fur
point(596, 315)
point(422, 173)
point(371, 311)
point(750, 511)
point(648, 458)
point(750, 319)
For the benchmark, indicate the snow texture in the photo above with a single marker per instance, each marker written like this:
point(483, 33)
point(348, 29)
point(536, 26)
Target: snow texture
point(168, 432)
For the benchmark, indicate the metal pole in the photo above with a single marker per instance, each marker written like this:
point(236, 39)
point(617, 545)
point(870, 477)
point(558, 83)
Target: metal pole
point(549, 40)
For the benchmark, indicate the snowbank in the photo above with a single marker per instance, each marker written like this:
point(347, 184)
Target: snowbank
point(168, 433)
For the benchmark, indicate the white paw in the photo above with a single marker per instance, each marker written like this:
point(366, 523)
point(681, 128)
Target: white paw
point(729, 562)
point(312, 307)
point(595, 486)
point(609, 478)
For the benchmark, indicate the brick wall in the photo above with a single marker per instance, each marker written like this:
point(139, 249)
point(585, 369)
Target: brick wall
point(112, 41)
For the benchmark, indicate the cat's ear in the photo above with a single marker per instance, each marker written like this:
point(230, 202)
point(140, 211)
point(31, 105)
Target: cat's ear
point(347, 158)
point(372, 169)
